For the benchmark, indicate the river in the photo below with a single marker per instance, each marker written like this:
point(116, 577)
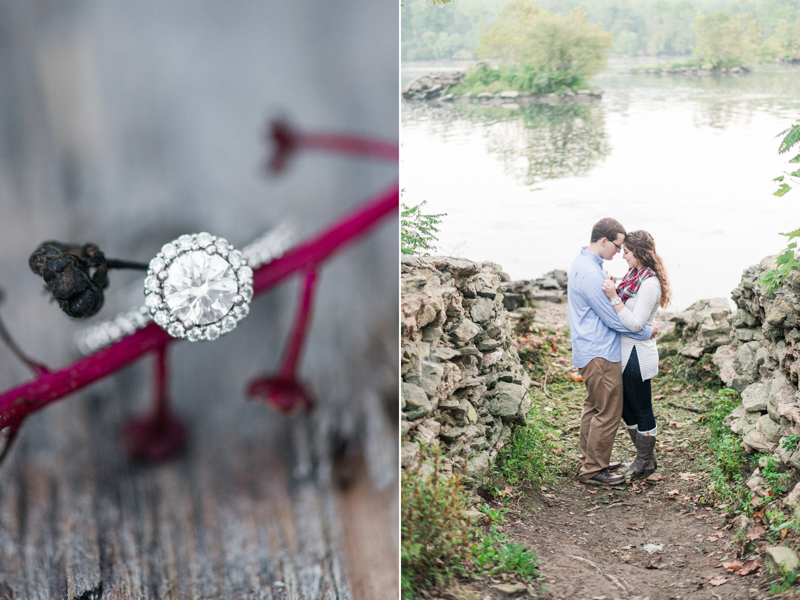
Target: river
point(691, 160)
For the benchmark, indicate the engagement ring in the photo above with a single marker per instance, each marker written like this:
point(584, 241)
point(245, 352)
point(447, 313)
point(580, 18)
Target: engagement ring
point(198, 287)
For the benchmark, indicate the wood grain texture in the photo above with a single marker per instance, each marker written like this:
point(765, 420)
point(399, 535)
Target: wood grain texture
point(233, 517)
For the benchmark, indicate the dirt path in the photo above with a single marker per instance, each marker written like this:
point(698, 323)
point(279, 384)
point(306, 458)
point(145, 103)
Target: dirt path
point(637, 541)
point(648, 540)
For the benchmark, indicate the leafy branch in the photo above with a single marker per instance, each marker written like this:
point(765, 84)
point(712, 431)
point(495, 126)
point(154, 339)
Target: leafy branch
point(417, 230)
point(791, 138)
point(787, 260)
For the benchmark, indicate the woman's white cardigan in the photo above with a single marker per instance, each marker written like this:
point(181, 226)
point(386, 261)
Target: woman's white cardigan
point(640, 310)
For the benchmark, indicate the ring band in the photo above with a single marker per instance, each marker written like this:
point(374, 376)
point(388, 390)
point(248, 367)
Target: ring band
point(198, 287)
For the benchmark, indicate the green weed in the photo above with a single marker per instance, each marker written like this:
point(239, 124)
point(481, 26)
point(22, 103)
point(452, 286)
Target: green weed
point(524, 457)
point(435, 530)
point(729, 461)
point(495, 554)
point(790, 442)
point(777, 481)
point(495, 516)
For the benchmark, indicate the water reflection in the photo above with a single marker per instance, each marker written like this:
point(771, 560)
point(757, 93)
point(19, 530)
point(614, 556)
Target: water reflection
point(534, 143)
point(543, 142)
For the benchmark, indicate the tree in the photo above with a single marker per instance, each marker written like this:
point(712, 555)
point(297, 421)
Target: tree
point(725, 40)
point(785, 42)
point(529, 36)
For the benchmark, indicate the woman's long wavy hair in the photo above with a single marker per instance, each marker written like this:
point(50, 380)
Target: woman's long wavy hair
point(643, 247)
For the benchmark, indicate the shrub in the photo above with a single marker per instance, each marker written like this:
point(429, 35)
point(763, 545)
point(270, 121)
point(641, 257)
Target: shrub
point(550, 45)
point(435, 530)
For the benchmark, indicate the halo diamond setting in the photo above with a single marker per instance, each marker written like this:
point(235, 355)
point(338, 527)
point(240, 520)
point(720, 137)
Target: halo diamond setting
point(198, 287)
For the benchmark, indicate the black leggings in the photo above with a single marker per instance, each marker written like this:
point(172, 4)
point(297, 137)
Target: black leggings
point(637, 403)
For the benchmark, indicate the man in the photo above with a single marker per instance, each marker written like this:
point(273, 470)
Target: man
point(595, 330)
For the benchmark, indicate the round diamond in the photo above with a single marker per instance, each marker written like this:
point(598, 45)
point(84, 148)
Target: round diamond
point(227, 324)
point(235, 258)
point(204, 239)
point(169, 251)
point(200, 287)
point(241, 311)
point(153, 301)
point(193, 335)
point(162, 318)
point(185, 242)
point(151, 283)
point(212, 332)
point(176, 329)
point(125, 324)
point(222, 246)
point(157, 264)
point(245, 274)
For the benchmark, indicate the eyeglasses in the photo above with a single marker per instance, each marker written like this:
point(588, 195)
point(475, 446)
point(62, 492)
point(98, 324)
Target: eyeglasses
point(616, 244)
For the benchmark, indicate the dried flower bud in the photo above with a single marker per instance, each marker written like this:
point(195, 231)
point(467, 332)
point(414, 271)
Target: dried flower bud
point(75, 275)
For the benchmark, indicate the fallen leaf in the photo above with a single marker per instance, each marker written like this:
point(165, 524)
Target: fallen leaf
point(655, 478)
point(634, 527)
point(749, 566)
point(575, 377)
point(658, 397)
point(755, 532)
point(707, 368)
point(712, 538)
point(674, 492)
point(717, 580)
point(677, 389)
point(549, 495)
point(656, 563)
point(731, 566)
point(687, 476)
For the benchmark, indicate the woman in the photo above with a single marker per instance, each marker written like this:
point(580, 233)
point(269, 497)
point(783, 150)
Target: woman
point(636, 299)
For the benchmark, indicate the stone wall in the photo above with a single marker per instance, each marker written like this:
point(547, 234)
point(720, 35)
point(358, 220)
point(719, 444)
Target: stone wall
point(436, 86)
point(463, 386)
point(762, 363)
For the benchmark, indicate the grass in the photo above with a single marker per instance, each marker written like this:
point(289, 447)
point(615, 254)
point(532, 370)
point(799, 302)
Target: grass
point(522, 78)
point(439, 544)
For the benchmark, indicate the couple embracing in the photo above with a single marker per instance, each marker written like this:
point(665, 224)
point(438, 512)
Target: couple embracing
point(613, 345)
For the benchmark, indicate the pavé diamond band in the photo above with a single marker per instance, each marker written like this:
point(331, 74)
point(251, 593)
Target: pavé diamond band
point(197, 287)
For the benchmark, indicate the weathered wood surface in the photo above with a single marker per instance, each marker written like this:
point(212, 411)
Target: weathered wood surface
point(128, 124)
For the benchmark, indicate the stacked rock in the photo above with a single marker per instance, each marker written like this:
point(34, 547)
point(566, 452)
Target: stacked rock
point(551, 287)
point(704, 326)
point(762, 363)
point(432, 85)
point(463, 385)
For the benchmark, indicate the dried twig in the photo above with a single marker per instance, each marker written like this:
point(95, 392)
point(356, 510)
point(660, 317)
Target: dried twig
point(48, 386)
point(687, 408)
point(608, 576)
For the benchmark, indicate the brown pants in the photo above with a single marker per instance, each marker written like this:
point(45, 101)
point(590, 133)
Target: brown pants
point(602, 410)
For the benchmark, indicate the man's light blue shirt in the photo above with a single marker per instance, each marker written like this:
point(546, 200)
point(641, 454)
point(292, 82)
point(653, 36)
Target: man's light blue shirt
point(593, 322)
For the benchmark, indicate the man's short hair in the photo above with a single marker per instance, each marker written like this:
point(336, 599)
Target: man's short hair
point(607, 228)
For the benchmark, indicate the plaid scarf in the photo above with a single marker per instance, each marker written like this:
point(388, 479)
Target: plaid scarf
point(632, 281)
